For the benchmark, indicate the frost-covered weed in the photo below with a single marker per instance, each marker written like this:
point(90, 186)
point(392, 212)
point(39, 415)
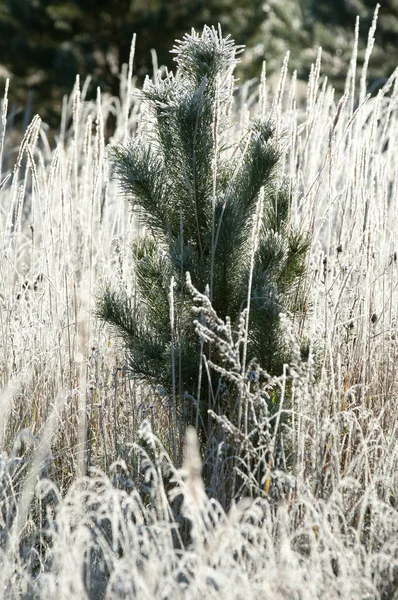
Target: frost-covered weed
point(147, 542)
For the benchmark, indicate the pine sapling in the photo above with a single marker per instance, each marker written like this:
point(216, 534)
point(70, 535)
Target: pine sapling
point(196, 181)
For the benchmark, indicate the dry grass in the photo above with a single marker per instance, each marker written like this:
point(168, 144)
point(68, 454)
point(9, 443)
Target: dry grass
point(325, 520)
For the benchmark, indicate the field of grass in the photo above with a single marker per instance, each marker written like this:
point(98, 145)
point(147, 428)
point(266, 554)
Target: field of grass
point(91, 505)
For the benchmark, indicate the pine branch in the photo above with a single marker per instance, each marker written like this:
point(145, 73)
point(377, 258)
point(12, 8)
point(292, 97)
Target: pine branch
point(141, 173)
point(206, 55)
point(116, 309)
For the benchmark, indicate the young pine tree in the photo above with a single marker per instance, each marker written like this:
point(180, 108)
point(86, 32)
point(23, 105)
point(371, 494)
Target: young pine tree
point(197, 183)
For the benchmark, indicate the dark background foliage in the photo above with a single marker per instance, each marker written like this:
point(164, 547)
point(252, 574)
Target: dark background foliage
point(44, 43)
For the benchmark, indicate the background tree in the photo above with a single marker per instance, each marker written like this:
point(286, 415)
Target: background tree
point(302, 26)
point(45, 43)
point(201, 188)
point(332, 27)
